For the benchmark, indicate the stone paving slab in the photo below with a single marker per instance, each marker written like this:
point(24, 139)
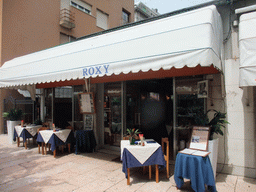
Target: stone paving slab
point(26, 170)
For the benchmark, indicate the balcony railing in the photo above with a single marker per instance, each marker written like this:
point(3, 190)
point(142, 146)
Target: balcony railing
point(67, 19)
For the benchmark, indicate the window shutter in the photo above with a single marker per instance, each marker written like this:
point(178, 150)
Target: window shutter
point(102, 20)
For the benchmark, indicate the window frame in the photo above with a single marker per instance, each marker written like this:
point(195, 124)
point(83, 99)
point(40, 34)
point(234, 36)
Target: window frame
point(80, 7)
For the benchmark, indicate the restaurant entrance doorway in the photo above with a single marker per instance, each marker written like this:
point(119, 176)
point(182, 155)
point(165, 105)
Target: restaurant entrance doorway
point(112, 114)
point(149, 107)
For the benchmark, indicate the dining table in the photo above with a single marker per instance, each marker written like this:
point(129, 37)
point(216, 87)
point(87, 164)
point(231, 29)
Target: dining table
point(139, 156)
point(196, 168)
point(25, 132)
point(85, 141)
point(55, 138)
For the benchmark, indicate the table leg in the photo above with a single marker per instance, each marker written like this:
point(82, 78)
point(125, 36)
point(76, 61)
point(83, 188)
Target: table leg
point(18, 141)
point(42, 148)
point(157, 174)
point(46, 148)
point(26, 144)
point(54, 153)
point(149, 171)
point(69, 146)
point(39, 148)
point(128, 176)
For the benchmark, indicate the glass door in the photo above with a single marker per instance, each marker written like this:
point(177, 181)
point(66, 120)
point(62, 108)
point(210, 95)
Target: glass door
point(112, 114)
point(188, 106)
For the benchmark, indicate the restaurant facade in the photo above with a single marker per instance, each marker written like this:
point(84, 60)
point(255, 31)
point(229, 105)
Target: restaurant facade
point(155, 76)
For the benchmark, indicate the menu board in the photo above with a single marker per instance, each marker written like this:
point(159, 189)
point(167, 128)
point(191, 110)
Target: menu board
point(86, 102)
point(199, 138)
point(88, 121)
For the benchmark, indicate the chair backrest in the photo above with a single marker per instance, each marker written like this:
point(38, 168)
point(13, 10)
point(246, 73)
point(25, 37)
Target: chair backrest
point(70, 127)
point(165, 145)
point(165, 148)
point(126, 138)
point(169, 129)
point(46, 124)
point(43, 128)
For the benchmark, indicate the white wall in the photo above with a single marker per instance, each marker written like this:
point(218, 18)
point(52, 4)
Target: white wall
point(237, 150)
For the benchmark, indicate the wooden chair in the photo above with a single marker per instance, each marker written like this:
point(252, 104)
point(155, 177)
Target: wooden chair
point(41, 129)
point(69, 145)
point(46, 124)
point(70, 127)
point(165, 148)
point(144, 167)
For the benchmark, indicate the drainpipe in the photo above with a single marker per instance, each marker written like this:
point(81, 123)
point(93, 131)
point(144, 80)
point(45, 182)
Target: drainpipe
point(245, 9)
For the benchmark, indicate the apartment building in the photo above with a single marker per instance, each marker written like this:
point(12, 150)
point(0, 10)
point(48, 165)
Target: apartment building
point(28, 26)
point(141, 12)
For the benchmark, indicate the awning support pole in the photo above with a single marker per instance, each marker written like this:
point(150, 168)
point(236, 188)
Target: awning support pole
point(174, 118)
point(42, 105)
point(86, 85)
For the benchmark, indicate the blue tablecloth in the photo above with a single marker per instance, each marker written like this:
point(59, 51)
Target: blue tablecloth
point(24, 134)
point(55, 141)
point(85, 141)
point(129, 161)
point(197, 169)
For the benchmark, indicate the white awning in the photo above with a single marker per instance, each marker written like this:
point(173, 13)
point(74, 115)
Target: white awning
point(247, 47)
point(188, 39)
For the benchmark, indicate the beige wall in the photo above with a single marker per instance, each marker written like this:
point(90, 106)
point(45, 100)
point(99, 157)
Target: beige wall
point(86, 24)
point(30, 26)
point(27, 26)
point(113, 9)
point(1, 17)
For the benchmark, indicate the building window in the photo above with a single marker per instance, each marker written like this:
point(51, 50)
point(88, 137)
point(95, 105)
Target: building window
point(102, 20)
point(125, 17)
point(81, 5)
point(66, 38)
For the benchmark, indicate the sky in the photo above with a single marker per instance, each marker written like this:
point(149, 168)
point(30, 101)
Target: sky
point(166, 6)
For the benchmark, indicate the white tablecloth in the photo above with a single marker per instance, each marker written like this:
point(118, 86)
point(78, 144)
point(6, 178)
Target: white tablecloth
point(141, 153)
point(32, 129)
point(61, 134)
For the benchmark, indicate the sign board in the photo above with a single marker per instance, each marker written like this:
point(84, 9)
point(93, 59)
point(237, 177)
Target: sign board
point(86, 103)
point(199, 142)
point(88, 121)
point(199, 138)
point(202, 87)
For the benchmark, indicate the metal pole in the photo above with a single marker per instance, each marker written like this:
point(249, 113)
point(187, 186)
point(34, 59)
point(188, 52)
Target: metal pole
point(33, 111)
point(53, 98)
point(42, 105)
point(73, 106)
point(174, 118)
point(123, 107)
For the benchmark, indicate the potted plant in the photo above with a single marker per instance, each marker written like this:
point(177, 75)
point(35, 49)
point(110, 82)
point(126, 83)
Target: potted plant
point(132, 134)
point(216, 124)
point(14, 117)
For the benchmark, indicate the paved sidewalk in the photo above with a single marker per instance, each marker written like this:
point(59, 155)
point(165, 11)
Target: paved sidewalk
point(26, 170)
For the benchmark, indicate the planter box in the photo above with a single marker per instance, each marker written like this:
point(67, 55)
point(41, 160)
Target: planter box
point(10, 130)
point(213, 148)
